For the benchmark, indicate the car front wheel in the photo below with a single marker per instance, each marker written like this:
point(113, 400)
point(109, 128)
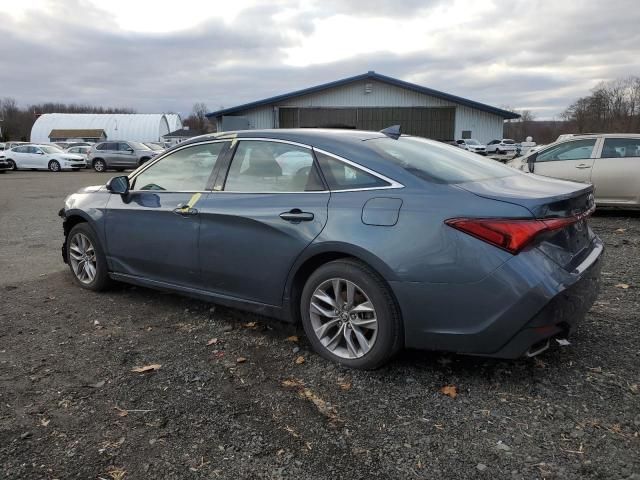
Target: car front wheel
point(54, 166)
point(86, 258)
point(99, 165)
point(350, 315)
point(12, 165)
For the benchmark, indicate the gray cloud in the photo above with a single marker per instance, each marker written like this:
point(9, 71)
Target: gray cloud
point(524, 54)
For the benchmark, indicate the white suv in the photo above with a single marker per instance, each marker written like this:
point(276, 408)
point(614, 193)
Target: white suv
point(611, 162)
point(506, 145)
point(472, 145)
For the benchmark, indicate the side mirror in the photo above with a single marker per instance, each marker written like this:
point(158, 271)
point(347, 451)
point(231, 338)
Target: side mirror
point(130, 150)
point(119, 185)
point(531, 160)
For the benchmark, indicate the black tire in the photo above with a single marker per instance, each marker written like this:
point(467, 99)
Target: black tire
point(101, 281)
point(54, 166)
point(12, 164)
point(99, 165)
point(498, 152)
point(389, 336)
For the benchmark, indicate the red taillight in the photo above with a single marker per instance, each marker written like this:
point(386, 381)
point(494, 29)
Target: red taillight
point(511, 235)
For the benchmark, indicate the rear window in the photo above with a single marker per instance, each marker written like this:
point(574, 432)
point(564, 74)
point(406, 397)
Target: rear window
point(436, 162)
point(138, 146)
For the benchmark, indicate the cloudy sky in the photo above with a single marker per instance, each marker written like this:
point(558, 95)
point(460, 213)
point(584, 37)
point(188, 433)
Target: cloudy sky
point(157, 55)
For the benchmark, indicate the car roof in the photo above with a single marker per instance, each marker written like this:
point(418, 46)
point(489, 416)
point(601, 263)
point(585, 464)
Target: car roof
point(591, 135)
point(351, 145)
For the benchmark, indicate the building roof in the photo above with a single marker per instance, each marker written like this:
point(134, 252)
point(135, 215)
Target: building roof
point(77, 133)
point(182, 133)
point(371, 75)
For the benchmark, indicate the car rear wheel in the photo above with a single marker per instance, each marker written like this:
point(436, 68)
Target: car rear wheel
point(99, 165)
point(350, 315)
point(12, 165)
point(86, 258)
point(54, 166)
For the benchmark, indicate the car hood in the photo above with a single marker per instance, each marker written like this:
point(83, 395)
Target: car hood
point(92, 188)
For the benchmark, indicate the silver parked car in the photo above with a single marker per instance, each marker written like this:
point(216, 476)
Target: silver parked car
point(611, 162)
point(118, 155)
point(82, 150)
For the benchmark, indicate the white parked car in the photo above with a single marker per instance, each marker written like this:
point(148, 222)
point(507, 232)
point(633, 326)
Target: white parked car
point(472, 145)
point(42, 157)
point(506, 145)
point(81, 150)
point(611, 162)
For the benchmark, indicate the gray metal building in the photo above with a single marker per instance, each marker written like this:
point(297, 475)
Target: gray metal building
point(370, 101)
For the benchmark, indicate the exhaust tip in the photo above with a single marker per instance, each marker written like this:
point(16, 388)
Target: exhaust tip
point(537, 348)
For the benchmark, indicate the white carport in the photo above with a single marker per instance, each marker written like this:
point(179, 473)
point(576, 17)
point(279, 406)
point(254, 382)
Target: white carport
point(139, 127)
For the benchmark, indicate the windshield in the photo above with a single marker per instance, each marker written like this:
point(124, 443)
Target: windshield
point(153, 146)
point(508, 141)
point(472, 141)
point(49, 149)
point(138, 146)
point(437, 162)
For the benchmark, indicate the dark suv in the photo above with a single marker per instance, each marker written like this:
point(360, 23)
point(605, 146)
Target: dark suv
point(118, 155)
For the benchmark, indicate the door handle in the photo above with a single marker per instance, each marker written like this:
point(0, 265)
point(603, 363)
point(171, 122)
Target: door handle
point(185, 211)
point(296, 215)
point(583, 165)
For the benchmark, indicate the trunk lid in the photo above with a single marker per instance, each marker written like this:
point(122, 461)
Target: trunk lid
point(548, 198)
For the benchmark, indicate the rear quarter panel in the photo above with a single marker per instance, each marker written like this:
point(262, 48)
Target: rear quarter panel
point(419, 247)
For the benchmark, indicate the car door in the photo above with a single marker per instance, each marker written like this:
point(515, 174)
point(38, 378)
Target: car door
point(19, 156)
point(30, 157)
point(152, 232)
point(571, 160)
point(111, 153)
point(616, 171)
point(272, 206)
point(126, 155)
point(37, 158)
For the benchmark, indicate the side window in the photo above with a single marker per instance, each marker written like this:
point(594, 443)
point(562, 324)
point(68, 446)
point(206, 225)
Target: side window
point(260, 166)
point(123, 147)
point(102, 146)
point(20, 149)
point(342, 176)
point(33, 150)
point(620, 147)
point(185, 170)
point(576, 150)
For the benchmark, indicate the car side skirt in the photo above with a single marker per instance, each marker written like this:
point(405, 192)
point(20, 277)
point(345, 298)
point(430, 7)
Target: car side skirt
point(204, 295)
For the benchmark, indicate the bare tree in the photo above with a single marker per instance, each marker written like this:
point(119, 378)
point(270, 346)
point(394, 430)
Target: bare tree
point(198, 120)
point(612, 107)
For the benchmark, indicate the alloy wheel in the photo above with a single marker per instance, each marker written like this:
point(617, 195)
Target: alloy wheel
point(54, 166)
point(99, 166)
point(343, 318)
point(82, 256)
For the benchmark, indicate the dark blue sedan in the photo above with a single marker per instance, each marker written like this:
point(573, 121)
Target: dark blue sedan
point(374, 241)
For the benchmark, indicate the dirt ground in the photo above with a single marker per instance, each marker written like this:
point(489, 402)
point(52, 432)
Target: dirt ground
point(233, 395)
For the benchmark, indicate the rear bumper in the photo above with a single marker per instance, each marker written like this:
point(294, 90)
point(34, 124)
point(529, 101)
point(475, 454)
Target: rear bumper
point(559, 317)
point(526, 301)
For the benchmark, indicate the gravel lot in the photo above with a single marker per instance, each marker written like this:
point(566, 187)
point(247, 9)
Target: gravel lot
point(239, 396)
